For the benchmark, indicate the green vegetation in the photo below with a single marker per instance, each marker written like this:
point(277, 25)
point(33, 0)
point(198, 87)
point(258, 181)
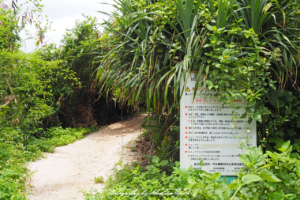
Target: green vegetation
point(77, 53)
point(33, 91)
point(18, 148)
point(8, 36)
point(99, 179)
point(240, 48)
point(264, 176)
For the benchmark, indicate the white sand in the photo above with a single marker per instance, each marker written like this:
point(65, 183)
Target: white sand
point(61, 174)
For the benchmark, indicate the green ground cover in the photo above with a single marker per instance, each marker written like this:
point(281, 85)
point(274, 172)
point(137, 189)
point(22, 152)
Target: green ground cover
point(266, 176)
point(17, 149)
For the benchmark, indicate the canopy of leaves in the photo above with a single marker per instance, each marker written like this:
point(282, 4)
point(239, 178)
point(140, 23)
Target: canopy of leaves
point(242, 48)
point(9, 36)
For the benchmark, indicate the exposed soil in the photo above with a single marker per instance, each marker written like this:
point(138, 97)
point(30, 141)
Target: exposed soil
point(73, 167)
point(144, 147)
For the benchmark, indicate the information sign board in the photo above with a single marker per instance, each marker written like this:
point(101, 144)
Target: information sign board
point(208, 133)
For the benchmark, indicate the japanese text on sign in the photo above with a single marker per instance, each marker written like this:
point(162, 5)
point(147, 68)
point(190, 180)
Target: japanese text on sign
point(208, 132)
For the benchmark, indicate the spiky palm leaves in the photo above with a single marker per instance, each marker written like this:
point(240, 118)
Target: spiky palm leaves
point(276, 24)
point(148, 60)
point(143, 61)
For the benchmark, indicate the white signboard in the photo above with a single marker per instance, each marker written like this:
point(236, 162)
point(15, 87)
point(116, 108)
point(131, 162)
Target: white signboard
point(208, 133)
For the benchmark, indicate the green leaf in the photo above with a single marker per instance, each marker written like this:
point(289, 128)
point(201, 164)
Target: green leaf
point(280, 133)
point(191, 181)
point(298, 170)
point(209, 27)
point(233, 184)
point(163, 163)
point(250, 178)
point(288, 151)
point(223, 99)
point(277, 103)
point(257, 116)
point(284, 147)
point(267, 7)
point(253, 156)
point(222, 188)
point(288, 97)
point(250, 109)
point(296, 146)
point(213, 39)
point(278, 195)
point(269, 176)
point(155, 159)
point(264, 110)
point(215, 71)
point(271, 186)
point(195, 192)
point(291, 132)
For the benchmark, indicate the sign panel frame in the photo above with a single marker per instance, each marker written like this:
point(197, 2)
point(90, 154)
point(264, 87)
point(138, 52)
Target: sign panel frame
point(208, 132)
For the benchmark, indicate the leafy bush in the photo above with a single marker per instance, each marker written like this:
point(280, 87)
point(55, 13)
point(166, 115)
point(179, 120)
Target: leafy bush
point(282, 123)
point(264, 177)
point(164, 134)
point(77, 51)
point(243, 49)
point(13, 158)
point(57, 136)
point(8, 30)
point(16, 150)
point(29, 88)
point(268, 176)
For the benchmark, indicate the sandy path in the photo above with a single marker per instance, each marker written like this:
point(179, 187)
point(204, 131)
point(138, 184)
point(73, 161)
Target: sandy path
point(60, 174)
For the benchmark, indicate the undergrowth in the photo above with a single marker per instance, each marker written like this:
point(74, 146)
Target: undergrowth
point(266, 176)
point(17, 149)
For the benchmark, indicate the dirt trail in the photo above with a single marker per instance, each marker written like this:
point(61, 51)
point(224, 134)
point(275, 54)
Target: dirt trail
point(60, 175)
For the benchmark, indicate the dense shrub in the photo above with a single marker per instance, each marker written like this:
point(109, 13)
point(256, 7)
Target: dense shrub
point(264, 177)
point(28, 88)
point(9, 36)
point(32, 90)
point(79, 51)
point(17, 149)
point(243, 49)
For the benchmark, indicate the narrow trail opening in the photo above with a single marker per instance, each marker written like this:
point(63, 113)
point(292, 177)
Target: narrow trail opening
point(61, 174)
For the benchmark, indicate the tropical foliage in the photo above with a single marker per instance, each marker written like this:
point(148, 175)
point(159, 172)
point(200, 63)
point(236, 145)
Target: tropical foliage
point(241, 48)
point(77, 53)
point(32, 90)
point(8, 26)
point(264, 176)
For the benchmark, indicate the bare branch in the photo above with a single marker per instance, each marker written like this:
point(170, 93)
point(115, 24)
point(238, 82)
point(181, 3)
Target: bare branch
point(10, 89)
point(8, 100)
